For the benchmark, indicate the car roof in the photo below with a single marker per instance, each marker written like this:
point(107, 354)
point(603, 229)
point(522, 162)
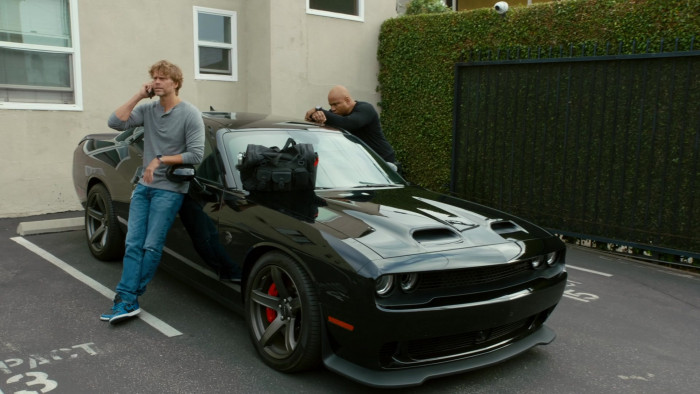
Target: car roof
point(251, 120)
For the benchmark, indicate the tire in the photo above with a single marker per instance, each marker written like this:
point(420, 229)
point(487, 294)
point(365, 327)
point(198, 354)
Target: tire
point(104, 236)
point(283, 314)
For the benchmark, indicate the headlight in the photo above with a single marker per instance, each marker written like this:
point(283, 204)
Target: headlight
point(384, 285)
point(551, 258)
point(408, 282)
point(537, 262)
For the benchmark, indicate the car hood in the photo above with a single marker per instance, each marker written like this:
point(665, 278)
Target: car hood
point(403, 221)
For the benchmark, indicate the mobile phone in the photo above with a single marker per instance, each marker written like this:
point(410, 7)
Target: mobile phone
point(150, 92)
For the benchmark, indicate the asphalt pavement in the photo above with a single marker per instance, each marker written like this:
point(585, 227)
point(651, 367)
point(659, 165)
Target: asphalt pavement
point(622, 326)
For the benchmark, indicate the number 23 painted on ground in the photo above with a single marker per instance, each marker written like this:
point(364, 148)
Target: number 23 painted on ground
point(38, 378)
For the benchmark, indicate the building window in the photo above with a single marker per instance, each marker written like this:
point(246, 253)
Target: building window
point(39, 55)
point(215, 39)
point(345, 9)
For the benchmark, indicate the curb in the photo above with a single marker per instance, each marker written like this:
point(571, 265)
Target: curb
point(50, 226)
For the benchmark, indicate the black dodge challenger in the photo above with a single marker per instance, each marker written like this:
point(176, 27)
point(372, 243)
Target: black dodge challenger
point(380, 280)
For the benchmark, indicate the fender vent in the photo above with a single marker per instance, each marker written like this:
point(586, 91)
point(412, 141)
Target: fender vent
point(435, 236)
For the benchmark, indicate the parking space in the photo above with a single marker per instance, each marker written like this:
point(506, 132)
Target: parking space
point(622, 326)
point(53, 341)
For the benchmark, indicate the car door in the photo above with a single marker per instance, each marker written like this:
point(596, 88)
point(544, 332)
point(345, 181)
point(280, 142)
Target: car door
point(194, 249)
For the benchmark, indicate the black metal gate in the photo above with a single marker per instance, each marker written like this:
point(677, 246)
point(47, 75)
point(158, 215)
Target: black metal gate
point(600, 147)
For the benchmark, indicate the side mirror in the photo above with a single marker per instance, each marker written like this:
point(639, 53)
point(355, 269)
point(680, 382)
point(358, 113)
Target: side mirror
point(180, 173)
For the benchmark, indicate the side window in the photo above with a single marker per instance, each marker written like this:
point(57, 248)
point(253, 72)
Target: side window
point(344, 9)
point(39, 55)
point(215, 51)
point(208, 169)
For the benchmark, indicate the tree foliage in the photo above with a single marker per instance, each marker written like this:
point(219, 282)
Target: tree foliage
point(416, 7)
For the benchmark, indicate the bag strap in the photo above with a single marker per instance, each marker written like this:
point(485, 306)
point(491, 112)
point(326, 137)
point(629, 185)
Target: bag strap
point(290, 141)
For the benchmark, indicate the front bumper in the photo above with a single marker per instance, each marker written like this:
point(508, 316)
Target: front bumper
point(397, 348)
point(416, 376)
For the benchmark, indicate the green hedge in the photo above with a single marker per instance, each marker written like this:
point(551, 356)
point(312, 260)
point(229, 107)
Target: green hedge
point(604, 146)
point(417, 55)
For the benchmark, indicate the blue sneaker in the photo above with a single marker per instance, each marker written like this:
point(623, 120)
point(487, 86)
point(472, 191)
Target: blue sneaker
point(121, 311)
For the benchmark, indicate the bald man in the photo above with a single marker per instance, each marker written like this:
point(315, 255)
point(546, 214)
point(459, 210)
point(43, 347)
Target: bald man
point(358, 117)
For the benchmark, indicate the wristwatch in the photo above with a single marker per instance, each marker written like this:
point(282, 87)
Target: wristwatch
point(159, 157)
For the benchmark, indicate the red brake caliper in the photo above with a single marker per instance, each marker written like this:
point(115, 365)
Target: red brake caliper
point(271, 314)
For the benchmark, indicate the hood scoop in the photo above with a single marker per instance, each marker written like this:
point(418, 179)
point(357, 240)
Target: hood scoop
point(503, 227)
point(435, 236)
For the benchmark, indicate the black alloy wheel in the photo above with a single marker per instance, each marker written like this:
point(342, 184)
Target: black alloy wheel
point(283, 314)
point(104, 236)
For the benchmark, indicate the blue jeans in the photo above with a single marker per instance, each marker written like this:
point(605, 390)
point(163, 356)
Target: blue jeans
point(151, 213)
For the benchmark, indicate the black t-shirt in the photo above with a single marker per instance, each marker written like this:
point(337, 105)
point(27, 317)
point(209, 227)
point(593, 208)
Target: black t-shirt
point(363, 122)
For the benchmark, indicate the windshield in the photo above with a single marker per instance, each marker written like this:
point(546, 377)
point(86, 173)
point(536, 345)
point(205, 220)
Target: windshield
point(344, 162)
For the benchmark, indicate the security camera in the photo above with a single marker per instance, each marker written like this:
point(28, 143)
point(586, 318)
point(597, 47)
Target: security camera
point(501, 7)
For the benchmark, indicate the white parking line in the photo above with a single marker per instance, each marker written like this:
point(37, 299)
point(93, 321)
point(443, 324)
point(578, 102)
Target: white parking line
point(151, 320)
point(589, 271)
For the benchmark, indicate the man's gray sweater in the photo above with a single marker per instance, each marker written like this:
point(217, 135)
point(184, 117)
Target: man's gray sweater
point(179, 131)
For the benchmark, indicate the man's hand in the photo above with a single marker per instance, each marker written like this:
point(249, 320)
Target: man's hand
point(319, 117)
point(309, 113)
point(146, 90)
point(124, 111)
point(315, 115)
point(148, 172)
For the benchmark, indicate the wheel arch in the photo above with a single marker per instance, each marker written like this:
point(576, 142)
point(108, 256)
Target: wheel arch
point(96, 181)
point(257, 251)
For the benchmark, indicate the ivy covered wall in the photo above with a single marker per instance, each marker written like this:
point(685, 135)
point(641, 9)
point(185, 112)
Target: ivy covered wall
point(417, 55)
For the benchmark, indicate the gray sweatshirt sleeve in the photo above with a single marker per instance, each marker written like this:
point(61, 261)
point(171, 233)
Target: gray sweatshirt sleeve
point(135, 119)
point(194, 138)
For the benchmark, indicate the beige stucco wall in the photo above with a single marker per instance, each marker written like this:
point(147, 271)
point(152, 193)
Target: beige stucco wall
point(287, 61)
point(326, 52)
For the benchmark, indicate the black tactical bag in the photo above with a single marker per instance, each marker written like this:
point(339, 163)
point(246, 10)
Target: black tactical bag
point(273, 169)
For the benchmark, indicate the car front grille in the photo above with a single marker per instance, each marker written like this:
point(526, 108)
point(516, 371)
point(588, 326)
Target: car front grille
point(472, 276)
point(456, 344)
point(437, 349)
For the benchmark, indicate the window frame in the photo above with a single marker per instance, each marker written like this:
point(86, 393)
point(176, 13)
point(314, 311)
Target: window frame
point(358, 18)
point(233, 46)
point(75, 68)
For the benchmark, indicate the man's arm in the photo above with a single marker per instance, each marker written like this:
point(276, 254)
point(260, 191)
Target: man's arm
point(124, 111)
point(360, 116)
point(194, 139)
point(121, 116)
